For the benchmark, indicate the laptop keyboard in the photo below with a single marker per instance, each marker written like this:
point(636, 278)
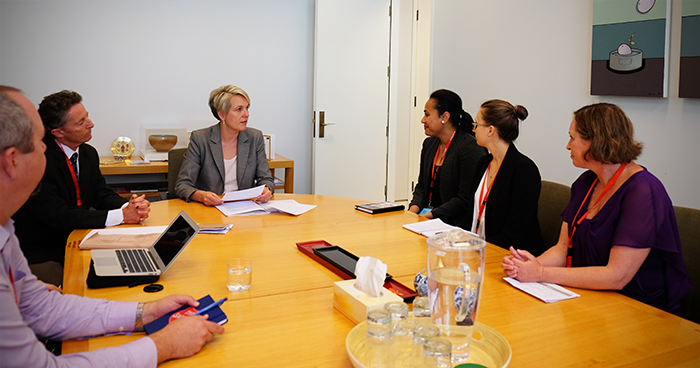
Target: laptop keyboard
point(134, 260)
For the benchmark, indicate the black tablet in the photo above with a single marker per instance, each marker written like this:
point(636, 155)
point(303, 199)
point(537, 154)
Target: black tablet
point(341, 259)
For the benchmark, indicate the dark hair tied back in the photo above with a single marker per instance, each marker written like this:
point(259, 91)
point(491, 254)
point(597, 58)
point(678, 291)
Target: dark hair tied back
point(448, 101)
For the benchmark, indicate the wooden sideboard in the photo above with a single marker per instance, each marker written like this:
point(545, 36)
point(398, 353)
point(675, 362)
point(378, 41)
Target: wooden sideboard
point(110, 167)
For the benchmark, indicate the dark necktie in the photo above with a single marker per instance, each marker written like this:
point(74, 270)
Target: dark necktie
point(74, 163)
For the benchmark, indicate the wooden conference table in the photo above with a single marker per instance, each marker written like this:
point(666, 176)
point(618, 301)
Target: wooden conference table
point(287, 316)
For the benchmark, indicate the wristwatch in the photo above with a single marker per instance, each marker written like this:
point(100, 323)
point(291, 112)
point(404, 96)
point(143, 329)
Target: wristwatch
point(139, 316)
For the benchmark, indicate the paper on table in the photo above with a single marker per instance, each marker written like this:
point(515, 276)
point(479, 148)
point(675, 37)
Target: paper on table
point(214, 228)
point(243, 194)
point(289, 206)
point(429, 228)
point(122, 237)
point(543, 290)
point(240, 208)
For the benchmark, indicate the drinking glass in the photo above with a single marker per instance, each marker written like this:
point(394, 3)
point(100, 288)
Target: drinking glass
point(437, 352)
point(398, 311)
point(378, 339)
point(421, 308)
point(239, 274)
point(420, 335)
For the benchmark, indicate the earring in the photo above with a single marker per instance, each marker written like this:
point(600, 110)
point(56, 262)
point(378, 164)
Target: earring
point(443, 122)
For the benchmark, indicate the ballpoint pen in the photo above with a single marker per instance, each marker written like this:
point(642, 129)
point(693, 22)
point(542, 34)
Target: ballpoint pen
point(210, 306)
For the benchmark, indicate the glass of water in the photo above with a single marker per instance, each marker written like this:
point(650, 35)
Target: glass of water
point(398, 311)
point(239, 274)
point(437, 352)
point(421, 308)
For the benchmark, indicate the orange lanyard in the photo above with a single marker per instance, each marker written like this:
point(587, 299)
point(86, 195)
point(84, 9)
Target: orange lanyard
point(433, 171)
point(483, 198)
point(575, 223)
point(72, 173)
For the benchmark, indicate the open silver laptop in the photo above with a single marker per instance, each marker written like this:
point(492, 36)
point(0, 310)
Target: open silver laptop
point(152, 261)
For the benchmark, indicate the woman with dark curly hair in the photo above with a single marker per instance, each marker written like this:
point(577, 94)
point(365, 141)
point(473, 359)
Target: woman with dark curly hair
point(447, 161)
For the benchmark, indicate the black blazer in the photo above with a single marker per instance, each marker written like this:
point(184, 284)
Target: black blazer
point(47, 218)
point(511, 208)
point(456, 176)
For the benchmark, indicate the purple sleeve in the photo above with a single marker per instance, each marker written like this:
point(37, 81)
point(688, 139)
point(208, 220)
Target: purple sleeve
point(646, 216)
point(51, 314)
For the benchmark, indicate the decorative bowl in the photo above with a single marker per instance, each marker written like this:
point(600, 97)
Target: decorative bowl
point(162, 142)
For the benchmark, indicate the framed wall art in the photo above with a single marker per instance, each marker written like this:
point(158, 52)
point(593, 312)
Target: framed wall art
point(630, 48)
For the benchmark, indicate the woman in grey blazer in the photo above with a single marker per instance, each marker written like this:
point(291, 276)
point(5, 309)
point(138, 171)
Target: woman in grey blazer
point(227, 156)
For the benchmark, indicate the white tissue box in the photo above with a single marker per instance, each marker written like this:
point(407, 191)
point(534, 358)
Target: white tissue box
point(355, 304)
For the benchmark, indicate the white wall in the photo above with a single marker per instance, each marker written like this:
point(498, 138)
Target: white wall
point(537, 53)
point(154, 63)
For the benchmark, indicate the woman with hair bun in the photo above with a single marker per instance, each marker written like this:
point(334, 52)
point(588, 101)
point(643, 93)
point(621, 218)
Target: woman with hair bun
point(506, 185)
point(448, 160)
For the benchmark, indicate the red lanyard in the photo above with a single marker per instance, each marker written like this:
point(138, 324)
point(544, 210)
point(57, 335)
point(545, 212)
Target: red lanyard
point(14, 288)
point(72, 173)
point(483, 198)
point(433, 171)
point(575, 223)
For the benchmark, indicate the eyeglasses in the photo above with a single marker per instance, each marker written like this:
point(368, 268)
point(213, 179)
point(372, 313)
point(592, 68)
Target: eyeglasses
point(476, 125)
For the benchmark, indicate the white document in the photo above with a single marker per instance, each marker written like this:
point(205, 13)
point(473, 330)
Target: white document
point(289, 206)
point(243, 208)
point(243, 194)
point(215, 230)
point(240, 208)
point(429, 228)
point(543, 290)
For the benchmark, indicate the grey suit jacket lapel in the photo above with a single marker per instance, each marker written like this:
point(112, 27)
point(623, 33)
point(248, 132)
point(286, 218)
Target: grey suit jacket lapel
point(217, 151)
point(243, 149)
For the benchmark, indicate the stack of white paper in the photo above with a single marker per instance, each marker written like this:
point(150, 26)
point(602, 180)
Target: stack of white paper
point(244, 208)
point(214, 229)
point(429, 228)
point(243, 194)
point(543, 290)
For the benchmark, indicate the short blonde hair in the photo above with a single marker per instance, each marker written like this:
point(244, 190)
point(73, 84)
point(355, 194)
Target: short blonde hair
point(220, 99)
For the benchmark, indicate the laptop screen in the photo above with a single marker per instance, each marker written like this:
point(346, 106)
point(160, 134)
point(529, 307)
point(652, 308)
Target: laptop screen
point(176, 236)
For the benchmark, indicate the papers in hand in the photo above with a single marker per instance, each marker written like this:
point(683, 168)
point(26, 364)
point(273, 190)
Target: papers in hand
point(429, 228)
point(243, 194)
point(242, 208)
point(543, 290)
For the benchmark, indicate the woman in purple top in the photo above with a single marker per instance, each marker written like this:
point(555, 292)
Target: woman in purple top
point(619, 230)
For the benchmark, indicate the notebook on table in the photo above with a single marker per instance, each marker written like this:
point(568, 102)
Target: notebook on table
point(154, 260)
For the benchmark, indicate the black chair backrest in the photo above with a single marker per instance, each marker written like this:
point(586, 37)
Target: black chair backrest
point(688, 220)
point(175, 157)
point(553, 200)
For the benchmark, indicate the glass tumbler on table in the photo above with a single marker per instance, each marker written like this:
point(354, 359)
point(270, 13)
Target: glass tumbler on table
point(239, 274)
point(437, 352)
point(398, 311)
point(379, 335)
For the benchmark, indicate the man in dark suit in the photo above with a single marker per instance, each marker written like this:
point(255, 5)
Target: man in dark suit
point(72, 193)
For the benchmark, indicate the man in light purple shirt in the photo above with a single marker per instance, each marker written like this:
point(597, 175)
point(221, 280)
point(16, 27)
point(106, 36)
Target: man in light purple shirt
point(29, 309)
